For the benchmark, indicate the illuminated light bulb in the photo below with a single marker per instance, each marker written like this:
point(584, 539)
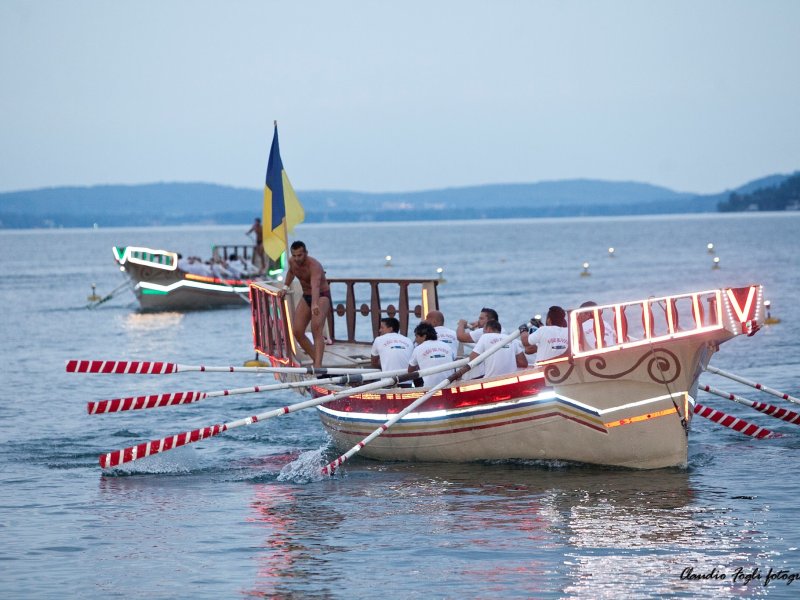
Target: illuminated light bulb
point(716, 263)
point(440, 271)
point(611, 252)
point(585, 272)
point(710, 247)
point(388, 260)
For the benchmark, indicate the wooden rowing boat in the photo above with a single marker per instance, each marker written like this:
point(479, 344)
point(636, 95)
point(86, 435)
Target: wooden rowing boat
point(627, 403)
point(161, 281)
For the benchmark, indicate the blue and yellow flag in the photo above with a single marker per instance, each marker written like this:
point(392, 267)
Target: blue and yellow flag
point(282, 209)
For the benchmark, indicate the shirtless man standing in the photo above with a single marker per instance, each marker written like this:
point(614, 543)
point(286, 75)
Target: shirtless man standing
point(316, 304)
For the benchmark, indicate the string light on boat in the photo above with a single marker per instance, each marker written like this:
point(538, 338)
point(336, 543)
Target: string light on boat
point(611, 252)
point(388, 260)
point(715, 264)
point(585, 272)
point(746, 317)
point(710, 248)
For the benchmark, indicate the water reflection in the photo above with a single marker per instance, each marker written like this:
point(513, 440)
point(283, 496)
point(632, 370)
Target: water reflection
point(499, 530)
point(295, 557)
point(150, 322)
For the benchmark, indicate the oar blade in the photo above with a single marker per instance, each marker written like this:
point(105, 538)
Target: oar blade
point(121, 367)
point(102, 407)
point(735, 423)
point(126, 455)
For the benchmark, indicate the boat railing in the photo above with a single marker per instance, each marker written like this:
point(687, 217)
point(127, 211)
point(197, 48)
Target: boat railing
point(161, 259)
point(225, 252)
point(358, 305)
point(627, 324)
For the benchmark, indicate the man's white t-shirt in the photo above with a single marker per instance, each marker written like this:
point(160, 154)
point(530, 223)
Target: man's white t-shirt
point(394, 351)
point(550, 341)
point(431, 353)
point(503, 361)
point(588, 334)
point(448, 336)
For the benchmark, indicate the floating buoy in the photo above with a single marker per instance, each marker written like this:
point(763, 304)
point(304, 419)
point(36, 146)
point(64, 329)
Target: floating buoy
point(94, 297)
point(611, 252)
point(256, 363)
point(388, 260)
point(715, 265)
point(440, 271)
point(585, 272)
point(710, 247)
point(770, 320)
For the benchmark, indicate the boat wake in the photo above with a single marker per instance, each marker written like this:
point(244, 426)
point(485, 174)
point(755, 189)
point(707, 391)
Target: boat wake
point(307, 468)
point(180, 461)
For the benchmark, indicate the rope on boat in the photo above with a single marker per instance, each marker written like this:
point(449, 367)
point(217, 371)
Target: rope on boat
point(97, 301)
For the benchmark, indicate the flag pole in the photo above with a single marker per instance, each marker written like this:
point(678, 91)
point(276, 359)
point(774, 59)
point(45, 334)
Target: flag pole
point(285, 227)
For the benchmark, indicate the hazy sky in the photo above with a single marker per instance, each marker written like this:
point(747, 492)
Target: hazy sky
point(694, 95)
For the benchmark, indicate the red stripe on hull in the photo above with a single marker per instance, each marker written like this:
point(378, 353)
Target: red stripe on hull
point(449, 399)
point(477, 427)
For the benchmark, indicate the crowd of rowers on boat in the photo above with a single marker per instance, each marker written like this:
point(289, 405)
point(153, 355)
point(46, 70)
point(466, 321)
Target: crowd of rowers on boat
point(435, 344)
point(234, 267)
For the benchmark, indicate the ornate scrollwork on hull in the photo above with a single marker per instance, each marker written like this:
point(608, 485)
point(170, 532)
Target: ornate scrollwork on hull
point(662, 366)
point(552, 373)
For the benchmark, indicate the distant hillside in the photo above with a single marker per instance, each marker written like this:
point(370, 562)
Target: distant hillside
point(197, 203)
point(777, 195)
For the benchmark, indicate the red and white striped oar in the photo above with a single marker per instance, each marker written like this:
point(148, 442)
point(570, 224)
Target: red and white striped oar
point(125, 455)
point(734, 423)
point(135, 367)
point(768, 409)
point(752, 384)
point(175, 398)
point(333, 465)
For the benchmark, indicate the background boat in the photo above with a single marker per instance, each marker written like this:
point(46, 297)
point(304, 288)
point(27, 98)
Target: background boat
point(164, 280)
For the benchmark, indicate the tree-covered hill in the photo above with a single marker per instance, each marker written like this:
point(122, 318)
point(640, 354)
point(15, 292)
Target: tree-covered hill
point(780, 196)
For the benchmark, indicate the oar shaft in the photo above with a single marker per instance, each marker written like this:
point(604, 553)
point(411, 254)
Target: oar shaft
point(753, 384)
point(127, 367)
point(176, 398)
point(735, 423)
point(118, 457)
point(332, 466)
point(768, 409)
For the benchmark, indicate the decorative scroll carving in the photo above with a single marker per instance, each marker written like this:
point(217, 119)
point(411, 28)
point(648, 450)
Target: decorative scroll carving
point(553, 373)
point(662, 366)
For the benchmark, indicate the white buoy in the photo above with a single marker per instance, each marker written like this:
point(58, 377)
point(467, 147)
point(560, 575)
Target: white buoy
point(440, 271)
point(716, 263)
point(585, 272)
point(710, 247)
point(388, 260)
point(611, 252)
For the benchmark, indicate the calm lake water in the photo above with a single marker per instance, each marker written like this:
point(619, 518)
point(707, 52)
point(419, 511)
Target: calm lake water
point(244, 515)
